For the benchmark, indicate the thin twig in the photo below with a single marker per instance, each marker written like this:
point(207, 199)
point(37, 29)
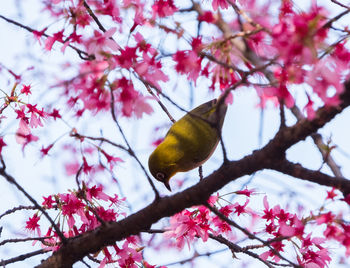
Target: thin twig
point(340, 4)
point(12, 180)
point(22, 257)
point(330, 22)
point(160, 103)
point(200, 172)
point(102, 139)
point(93, 16)
point(86, 264)
point(195, 255)
point(7, 212)
point(82, 54)
point(131, 152)
point(16, 240)
point(237, 249)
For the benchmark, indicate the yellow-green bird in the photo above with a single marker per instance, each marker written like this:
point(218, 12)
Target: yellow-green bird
point(189, 142)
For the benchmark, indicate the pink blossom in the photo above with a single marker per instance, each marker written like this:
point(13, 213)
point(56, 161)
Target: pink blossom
point(186, 225)
point(269, 214)
point(81, 17)
point(246, 192)
point(112, 160)
point(127, 57)
point(45, 150)
point(96, 192)
point(2, 144)
point(239, 209)
point(213, 199)
point(26, 90)
point(331, 194)
point(72, 205)
point(21, 114)
point(163, 8)
point(297, 36)
point(309, 109)
point(90, 223)
point(207, 16)
point(116, 200)
point(110, 8)
point(188, 62)
point(101, 43)
point(265, 95)
point(322, 77)
point(328, 217)
point(107, 215)
point(48, 202)
point(278, 246)
point(23, 133)
point(316, 259)
point(220, 3)
point(142, 107)
point(55, 114)
point(32, 224)
point(285, 229)
point(107, 258)
point(308, 241)
point(133, 103)
point(151, 70)
point(72, 167)
point(39, 34)
point(128, 256)
point(86, 167)
point(57, 37)
point(342, 53)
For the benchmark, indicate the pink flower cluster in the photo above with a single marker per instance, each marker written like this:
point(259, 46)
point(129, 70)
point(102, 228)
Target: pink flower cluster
point(77, 211)
point(189, 225)
point(285, 228)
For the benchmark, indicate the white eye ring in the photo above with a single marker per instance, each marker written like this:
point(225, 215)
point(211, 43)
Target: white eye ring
point(160, 176)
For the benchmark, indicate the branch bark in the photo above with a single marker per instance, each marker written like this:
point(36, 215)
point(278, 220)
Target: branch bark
point(298, 171)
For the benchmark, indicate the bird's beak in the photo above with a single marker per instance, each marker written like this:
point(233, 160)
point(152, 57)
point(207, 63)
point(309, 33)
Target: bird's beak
point(167, 185)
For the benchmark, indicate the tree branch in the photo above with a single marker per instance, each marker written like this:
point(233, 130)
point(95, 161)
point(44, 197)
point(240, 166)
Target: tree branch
point(22, 257)
point(237, 249)
point(82, 54)
point(317, 138)
point(298, 171)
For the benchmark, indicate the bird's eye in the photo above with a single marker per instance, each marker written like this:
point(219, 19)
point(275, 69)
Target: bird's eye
point(160, 176)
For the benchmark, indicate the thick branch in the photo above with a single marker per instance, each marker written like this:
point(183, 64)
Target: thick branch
point(327, 158)
point(298, 171)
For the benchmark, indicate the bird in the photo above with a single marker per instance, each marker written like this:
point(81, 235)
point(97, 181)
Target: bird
point(189, 142)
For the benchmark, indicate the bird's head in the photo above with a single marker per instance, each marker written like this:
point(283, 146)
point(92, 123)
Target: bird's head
point(161, 170)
